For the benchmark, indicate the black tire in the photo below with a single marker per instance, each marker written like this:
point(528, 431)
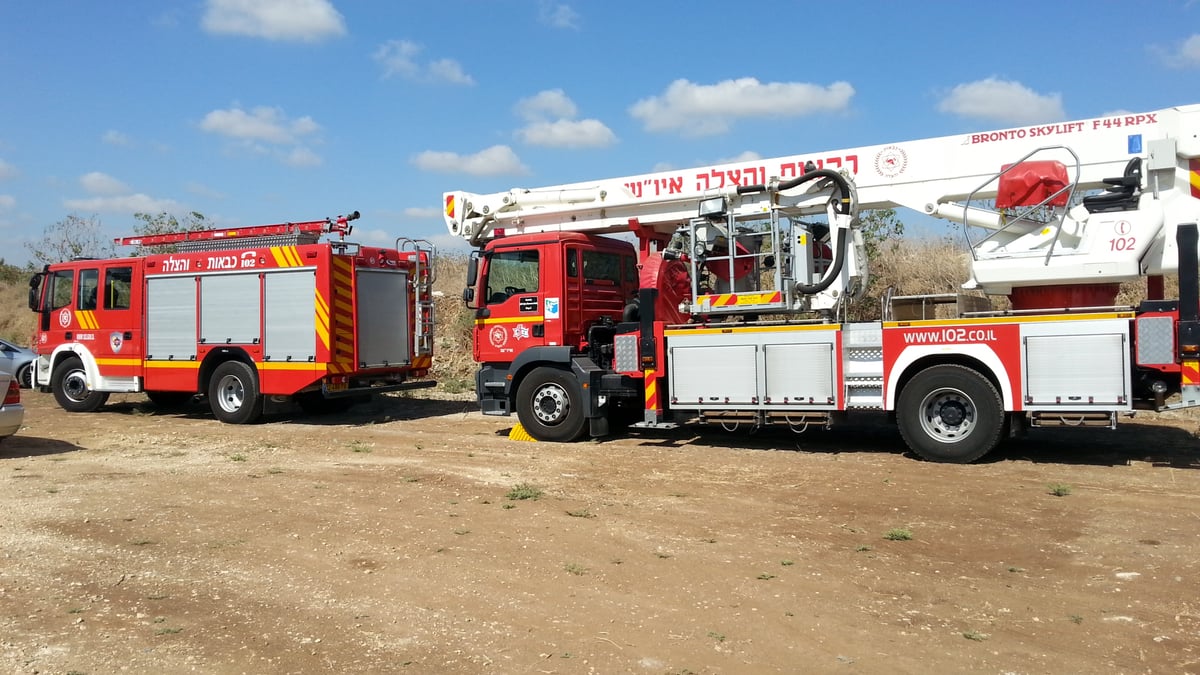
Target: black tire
point(169, 400)
point(550, 405)
point(950, 413)
point(69, 384)
point(234, 395)
point(314, 403)
point(25, 376)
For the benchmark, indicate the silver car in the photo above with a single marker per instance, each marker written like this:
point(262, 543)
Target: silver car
point(18, 361)
point(12, 413)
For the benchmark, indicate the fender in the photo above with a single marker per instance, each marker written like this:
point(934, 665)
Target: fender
point(559, 355)
point(96, 381)
point(979, 352)
point(47, 363)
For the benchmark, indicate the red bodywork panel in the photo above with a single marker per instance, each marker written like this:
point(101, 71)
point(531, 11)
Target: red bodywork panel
point(103, 308)
point(596, 278)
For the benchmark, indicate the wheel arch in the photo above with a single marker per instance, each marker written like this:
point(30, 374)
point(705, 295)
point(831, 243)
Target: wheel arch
point(976, 357)
point(215, 358)
point(64, 352)
point(527, 361)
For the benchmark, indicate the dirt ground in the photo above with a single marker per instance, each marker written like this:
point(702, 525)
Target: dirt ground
point(391, 539)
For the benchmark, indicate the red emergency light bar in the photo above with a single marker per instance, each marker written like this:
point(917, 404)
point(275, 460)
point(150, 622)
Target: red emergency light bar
point(340, 225)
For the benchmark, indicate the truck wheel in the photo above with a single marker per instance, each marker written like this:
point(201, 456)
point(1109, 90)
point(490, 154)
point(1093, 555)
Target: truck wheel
point(950, 413)
point(550, 405)
point(69, 383)
point(233, 393)
point(169, 399)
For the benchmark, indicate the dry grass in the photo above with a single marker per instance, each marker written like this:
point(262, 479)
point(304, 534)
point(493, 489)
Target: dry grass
point(912, 268)
point(453, 361)
point(16, 321)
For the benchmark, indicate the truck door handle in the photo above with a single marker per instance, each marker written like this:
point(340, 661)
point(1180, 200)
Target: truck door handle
point(539, 330)
point(127, 335)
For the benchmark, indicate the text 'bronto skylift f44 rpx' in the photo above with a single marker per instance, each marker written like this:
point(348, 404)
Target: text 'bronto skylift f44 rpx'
point(731, 309)
point(240, 315)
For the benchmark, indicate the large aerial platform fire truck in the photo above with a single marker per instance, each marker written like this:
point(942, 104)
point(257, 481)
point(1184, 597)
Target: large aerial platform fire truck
point(242, 315)
point(732, 308)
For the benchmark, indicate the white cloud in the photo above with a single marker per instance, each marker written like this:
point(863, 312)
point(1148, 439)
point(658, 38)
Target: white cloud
point(303, 157)
point(266, 125)
point(706, 109)
point(97, 183)
point(289, 20)
point(262, 124)
point(662, 166)
point(202, 190)
point(1182, 55)
point(123, 204)
point(449, 243)
point(744, 156)
point(548, 104)
point(1003, 101)
point(498, 160)
point(7, 202)
point(449, 70)
point(558, 15)
point(422, 212)
point(114, 137)
point(1189, 51)
point(110, 195)
point(374, 237)
point(550, 114)
point(7, 170)
point(568, 134)
point(399, 58)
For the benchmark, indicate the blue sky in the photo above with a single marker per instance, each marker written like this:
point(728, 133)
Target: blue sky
point(264, 111)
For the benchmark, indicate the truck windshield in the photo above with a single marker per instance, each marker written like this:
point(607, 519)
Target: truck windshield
point(63, 288)
point(510, 273)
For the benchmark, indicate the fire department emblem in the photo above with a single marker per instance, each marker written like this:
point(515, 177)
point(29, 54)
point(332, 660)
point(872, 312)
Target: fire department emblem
point(891, 161)
point(64, 318)
point(520, 332)
point(115, 341)
point(498, 336)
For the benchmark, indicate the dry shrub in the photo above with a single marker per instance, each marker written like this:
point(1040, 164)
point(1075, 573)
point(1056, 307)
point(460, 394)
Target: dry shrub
point(913, 267)
point(16, 321)
point(453, 361)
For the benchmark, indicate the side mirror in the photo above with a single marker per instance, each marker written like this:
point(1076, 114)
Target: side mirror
point(473, 268)
point(472, 280)
point(35, 292)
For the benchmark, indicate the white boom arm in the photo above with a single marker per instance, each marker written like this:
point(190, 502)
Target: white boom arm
point(946, 177)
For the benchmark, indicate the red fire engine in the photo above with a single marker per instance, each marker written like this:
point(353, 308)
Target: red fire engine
point(242, 316)
point(732, 309)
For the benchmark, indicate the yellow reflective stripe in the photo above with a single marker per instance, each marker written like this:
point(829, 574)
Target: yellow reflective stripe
point(514, 319)
point(752, 329)
point(86, 319)
point(118, 362)
point(292, 365)
point(1009, 319)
